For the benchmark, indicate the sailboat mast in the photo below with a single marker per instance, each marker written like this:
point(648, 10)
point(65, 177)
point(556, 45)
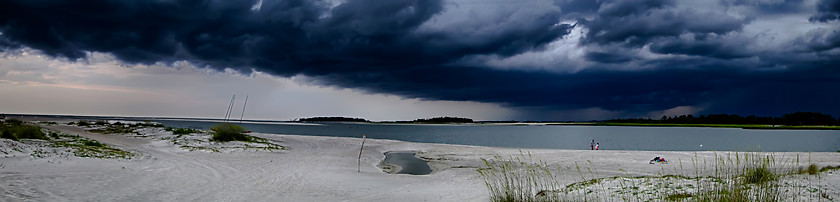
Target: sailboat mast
point(230, 107)
point(243, 109)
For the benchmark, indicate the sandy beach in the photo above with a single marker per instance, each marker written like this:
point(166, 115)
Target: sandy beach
point(312, 168)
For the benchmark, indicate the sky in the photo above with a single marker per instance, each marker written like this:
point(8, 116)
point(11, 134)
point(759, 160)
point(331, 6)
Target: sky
point(407, 59)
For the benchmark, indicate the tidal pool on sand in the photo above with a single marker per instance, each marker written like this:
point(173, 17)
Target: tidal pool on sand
point(410, 164)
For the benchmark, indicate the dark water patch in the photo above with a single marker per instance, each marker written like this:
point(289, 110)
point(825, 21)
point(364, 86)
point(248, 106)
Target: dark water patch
point(409, 163)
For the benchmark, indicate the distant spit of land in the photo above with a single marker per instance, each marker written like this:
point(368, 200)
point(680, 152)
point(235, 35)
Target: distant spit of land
point(791, 121)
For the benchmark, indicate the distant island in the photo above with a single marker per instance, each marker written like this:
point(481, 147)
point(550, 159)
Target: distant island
point(435, 120)
point(797, 120)
point(332, 119)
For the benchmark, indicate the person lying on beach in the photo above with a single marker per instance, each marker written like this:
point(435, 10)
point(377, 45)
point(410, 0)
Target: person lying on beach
point(658, 160)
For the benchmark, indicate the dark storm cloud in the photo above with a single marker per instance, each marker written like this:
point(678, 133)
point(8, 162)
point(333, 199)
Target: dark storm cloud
point(827, 10)
point(638, 22)
point(820, 40)
point(399, 47)
point(284, 37)
point(708, 47)
point(604, 57)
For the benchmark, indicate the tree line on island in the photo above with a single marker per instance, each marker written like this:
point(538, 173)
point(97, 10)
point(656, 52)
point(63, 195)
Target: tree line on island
point(349, 119)
point(790, 119)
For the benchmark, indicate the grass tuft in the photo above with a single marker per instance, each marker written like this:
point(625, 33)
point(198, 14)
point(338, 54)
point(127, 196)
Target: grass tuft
point(15, 129)
point(748, 176)
point(181, 131)
point(813, 169)
point(513, 180)
point(758, 175)
point(229, 132)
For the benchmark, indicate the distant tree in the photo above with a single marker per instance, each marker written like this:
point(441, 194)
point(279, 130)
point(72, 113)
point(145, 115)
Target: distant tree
point(798, 118)
point(808, 118)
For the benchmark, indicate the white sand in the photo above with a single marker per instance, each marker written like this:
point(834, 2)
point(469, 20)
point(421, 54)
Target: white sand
point(312, 169)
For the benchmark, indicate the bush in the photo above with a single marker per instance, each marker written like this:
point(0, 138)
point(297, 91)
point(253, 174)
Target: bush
point(14, 129)
point(813, 169)
point(181, 131)
point(8, 135)
point(229, 132)
point(30, 132)
point(92, 143)
point(14, 122)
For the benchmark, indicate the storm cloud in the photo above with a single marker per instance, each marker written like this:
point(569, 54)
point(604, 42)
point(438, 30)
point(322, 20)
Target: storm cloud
point(637, 56)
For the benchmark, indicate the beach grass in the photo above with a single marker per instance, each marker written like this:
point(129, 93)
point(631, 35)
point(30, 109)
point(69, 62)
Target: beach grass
point(734, 176)
point(513, 179)
point(181, 131)
point(83, 147)
point(15, 130)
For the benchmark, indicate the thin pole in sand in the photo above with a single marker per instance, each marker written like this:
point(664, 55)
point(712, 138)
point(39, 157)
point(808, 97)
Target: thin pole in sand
point(359, 168)
point(243, 109)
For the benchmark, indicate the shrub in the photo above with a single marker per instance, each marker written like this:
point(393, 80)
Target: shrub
point(14, 122)
point(8, 135)
point(15, 130)
point(181, 131)
point(54, 135)
point(229, 132)
point(813, 169)
point(83, 123)
point(92, 143)
point(29, 132)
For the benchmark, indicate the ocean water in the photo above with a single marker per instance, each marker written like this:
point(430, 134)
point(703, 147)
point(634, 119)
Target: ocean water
point(561, 136)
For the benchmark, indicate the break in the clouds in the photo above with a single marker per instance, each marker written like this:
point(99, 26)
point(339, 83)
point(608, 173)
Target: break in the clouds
point(762, 57)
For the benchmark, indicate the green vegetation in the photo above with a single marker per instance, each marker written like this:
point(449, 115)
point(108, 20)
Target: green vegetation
point(829, 168)
point(114, 129)
point(181, 131)
point(513, 180)
point(737, 177)
point(83, 147)
point(15, 129)
point(229, 132)
point(813, 169)
point(810, 120)
point(82, 123)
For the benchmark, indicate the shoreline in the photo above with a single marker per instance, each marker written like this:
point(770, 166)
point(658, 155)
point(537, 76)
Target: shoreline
point(321, 169)
point(478, 123)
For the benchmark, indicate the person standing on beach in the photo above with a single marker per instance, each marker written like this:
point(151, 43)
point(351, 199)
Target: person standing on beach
point(592, 145)
point(597, 145)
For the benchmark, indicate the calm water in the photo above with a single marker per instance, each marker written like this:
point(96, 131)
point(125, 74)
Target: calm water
point(410, 164)
point(564, 137)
